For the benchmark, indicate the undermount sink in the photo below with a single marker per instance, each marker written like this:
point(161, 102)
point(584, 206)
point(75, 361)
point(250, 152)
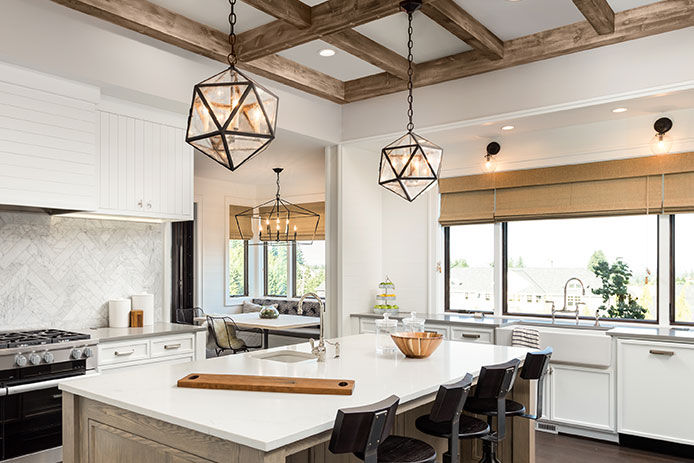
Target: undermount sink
point(286, 356)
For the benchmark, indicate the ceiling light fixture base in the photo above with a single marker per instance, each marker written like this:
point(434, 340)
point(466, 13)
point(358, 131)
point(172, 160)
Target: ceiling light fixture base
point(410, 6)
point(663, 125)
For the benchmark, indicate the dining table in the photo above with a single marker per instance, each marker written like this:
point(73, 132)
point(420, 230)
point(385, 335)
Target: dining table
point(267, 325)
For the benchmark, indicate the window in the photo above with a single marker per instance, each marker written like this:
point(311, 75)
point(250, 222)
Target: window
point(682, 282)
point(309, 268)
point(238, 268)
point(469, 268)
point(276, 269)
point(615, 257)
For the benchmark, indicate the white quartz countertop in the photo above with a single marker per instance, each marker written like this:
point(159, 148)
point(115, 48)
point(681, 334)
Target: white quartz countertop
point(157, 329)
point(265, 420)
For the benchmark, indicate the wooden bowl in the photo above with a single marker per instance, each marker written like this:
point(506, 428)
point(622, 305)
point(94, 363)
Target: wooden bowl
point(417, 345)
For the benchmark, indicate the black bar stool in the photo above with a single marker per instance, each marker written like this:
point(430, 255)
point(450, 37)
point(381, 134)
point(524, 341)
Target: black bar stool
point(534, 368)
point(493, 384)
point(447, 421)
point(363, 431)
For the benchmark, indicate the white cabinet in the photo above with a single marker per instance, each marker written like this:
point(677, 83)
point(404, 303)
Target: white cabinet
point(145, 166)
point(441, 329)
point(48, 131)
point(581, 397)
point(167, 349)
point(654, 390)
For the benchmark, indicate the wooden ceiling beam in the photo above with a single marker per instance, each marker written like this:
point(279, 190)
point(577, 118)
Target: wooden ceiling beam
point(372, 52)
point(647, 20)
point(327, 18)
point(598, 13)
point(294, 12)
point(460, 23)
point(162, 24)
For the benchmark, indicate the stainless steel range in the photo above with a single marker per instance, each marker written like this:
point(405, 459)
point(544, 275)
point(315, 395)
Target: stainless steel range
point(32, 363)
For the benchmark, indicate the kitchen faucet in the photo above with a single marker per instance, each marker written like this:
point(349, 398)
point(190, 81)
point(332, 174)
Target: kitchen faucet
point(319, 350)
point(565, 308)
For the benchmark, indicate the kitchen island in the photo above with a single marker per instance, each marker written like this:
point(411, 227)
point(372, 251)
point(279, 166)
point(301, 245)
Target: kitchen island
point(141, 415)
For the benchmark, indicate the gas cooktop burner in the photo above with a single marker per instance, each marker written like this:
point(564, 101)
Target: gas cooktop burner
point(38, 337)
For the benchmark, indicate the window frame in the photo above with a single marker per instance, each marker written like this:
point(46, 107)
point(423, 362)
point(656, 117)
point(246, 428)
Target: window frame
point(447, 278)
point(232, 299)
point(672, 310)
point(504, 284)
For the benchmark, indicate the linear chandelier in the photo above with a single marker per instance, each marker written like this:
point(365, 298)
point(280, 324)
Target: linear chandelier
point(232, 118)
point(411, 164)
point(277, 221)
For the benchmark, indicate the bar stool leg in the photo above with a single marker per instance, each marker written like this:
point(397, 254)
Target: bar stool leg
point(453, 453)
point(489, 447)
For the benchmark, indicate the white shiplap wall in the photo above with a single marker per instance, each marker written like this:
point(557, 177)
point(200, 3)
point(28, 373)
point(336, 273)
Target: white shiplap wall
point(47, 141)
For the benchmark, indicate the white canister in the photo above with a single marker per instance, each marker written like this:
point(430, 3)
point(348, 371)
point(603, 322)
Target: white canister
point(119, 313)
point(144, 302)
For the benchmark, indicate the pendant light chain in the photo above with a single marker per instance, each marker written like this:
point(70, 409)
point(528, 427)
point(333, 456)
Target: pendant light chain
point(410, 73)
point(231, 57)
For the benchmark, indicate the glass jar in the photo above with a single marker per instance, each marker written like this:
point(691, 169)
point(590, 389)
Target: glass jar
point(384, 328)
point(412, 324)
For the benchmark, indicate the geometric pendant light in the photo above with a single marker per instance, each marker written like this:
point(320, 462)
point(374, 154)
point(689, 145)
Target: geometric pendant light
point(411, 164)
point(232, 118)
point(277, 221)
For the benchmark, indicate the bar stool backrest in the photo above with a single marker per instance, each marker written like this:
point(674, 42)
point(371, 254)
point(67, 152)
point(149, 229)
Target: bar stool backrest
point(495, 381)
point(361, 429)
point(535, 368)
point(450, 400)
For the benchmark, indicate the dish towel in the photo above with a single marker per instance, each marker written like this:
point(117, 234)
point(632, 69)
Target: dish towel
point(525, 337)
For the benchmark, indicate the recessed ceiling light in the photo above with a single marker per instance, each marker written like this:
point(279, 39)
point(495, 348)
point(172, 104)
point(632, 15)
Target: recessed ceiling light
point(619, 110)
point(508, 127)
point(327, 52)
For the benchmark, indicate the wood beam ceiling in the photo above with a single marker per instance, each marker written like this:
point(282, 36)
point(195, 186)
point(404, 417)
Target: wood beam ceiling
point(647, 20)
point(598, 13)
point(327, 18)
point(294, 12)
point(372, 52)
point(157, 22)
point(460, 23)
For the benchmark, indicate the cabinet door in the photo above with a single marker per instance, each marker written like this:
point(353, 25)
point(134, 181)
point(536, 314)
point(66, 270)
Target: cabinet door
point(655, 387)
point(582, 397)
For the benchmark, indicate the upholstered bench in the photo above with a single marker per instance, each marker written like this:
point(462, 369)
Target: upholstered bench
point(286, 306)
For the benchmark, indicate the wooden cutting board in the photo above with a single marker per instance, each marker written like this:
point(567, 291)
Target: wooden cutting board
point(269, 384)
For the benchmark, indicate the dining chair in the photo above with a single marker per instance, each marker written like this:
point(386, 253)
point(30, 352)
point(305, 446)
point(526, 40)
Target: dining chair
point(225, 332)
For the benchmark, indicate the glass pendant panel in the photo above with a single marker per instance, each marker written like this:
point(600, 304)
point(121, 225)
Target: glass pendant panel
point(213, 147)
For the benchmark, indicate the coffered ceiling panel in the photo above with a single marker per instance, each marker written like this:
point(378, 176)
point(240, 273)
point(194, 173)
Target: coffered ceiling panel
point(431, 41)
point(215, 13)
point(621, 5)
point(513, 19)
point(342, 65)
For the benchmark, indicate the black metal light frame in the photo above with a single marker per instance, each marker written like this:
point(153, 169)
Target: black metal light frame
point(215, 142)
point(412, 146)
point(281, 210)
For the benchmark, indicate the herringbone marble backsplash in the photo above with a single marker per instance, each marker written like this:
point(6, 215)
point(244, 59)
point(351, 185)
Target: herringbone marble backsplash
point(58, 272)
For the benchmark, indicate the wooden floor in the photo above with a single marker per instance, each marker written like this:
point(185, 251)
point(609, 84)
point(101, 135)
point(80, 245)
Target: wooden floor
point(565, 449)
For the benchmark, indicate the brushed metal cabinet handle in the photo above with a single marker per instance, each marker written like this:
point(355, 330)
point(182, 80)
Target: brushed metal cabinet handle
point(667, 353)
point(471, 336)
point(172, 346)
point(123, 354)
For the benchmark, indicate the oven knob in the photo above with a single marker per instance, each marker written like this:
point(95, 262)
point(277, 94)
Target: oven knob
point(88, 352)
point(48, 357)
point(76, 354)
point(20, 360)
point(35, 359)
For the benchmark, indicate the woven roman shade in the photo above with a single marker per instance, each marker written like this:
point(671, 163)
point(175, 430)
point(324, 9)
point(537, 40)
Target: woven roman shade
point(653, 184)
point(306, 225)
point(244, 222)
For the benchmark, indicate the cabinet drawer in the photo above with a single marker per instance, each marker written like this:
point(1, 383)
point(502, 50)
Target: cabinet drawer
point(110, 354)
point(654, 384)
point(471, 335)
point(170, 346)
point(441, 329)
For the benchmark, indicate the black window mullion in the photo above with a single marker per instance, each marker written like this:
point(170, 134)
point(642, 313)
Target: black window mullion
point(447, 268)
point(504, 268)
